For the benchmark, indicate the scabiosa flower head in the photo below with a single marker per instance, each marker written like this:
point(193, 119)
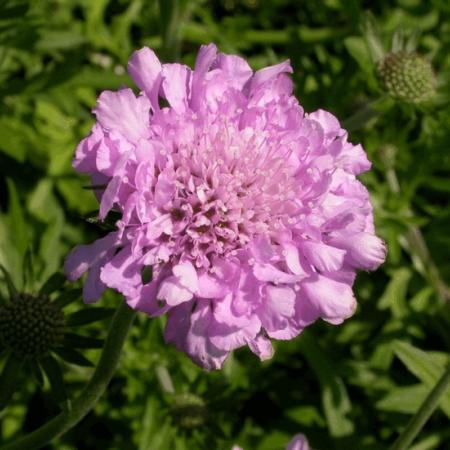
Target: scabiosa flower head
point(247, 210)
point(407, 76)
point(32, 325)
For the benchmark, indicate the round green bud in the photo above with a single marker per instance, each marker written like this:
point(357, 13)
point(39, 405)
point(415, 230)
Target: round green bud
point(407, 76)
point(31, 326)
point(188, 410)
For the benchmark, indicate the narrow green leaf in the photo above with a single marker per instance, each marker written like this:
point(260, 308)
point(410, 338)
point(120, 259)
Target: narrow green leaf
point(55, 377)
point(426, 367)
point(67, 297)
point(394, 296)
point(55, 282)
point(17, 219)
point(28, 270)
point(8, 379)
point(88, 315)
point(357, 48)
point(73, 356)
point(36, 370)
point(335, 399)
point(79, 341)
point(405, 399)
point(372, 36)
point(9, 283)
point(50, 245)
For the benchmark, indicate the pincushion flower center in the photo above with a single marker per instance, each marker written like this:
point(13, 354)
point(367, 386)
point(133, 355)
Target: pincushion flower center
point(226, 192)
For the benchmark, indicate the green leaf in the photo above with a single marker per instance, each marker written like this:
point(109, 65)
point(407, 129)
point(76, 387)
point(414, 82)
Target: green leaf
point(405, 399)
point(357, 48)
point(17, 220)
point(42, 203)
point(8, 379)
point(12, 139)
point(13, 293)
point(60, 40)
point(73, 356)
point(372, 36)
point(55, 282)
point(50, 246)
point(36, 370)
point(394, 296)
point(79, 341)
point(55, 377)
point(88, 315)
point(335, 399)
point(28, 270)
point(425, 366)
point(67, 297)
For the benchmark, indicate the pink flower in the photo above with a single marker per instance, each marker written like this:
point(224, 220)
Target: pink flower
point(298, 442)
point(247, 209)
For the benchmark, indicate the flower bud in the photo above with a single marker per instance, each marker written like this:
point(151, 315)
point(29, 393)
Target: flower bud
point(188, 410)
point(407, 76)
point(31, 325)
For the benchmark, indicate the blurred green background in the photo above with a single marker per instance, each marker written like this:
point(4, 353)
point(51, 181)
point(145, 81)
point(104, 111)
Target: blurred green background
point(348, 387)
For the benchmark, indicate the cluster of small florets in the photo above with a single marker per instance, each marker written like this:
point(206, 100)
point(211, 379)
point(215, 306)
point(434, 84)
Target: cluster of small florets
point(31, 325)
point(247, 209)
point(407, 76)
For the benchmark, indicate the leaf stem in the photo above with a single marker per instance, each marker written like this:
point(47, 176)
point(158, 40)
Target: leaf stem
point(427, 408)
point(106, 367)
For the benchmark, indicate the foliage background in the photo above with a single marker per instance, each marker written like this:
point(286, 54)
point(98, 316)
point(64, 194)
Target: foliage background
point(347, 387)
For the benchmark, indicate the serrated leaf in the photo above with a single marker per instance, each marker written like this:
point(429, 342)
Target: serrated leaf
point(8, 378)
point(426, 367)
point(55, 282)
point(73, 356)
point(79, 341)
point(88, 315)
point(55, 377)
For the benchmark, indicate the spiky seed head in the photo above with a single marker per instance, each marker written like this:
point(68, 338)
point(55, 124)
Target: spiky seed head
point(31, 325)
point(407, 76)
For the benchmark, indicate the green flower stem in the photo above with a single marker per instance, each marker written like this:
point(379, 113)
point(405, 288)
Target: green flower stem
point(106, 367)
point(423, 414)
point(418, 246)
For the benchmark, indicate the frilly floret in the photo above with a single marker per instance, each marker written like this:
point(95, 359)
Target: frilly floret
point(247, 209)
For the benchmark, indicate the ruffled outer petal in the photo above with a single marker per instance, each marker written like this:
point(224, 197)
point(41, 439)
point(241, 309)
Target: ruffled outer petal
point(123, 112)
point(145, 69)
point(331, 300)
point(187, 328)
point(364, 250)
point(83, 257)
